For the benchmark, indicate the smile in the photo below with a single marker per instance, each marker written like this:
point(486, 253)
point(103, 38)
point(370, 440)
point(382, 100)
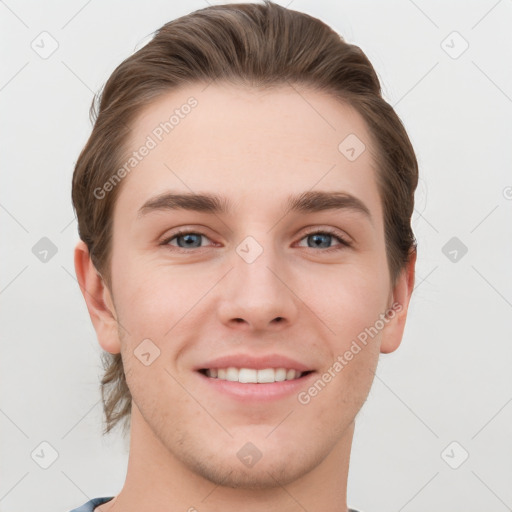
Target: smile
point(253, 376)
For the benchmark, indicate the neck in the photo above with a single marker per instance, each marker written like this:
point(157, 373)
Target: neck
point(157, 480)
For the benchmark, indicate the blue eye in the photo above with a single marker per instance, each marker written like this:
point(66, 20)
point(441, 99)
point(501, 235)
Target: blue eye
point(321, 239)
point(188, 239)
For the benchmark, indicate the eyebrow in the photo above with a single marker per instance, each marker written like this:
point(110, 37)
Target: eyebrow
point(307, 202)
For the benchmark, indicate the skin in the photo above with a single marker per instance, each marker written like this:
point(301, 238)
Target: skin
point(255, 148)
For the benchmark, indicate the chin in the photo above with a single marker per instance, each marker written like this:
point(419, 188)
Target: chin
point(263, 475)
point(272, 467)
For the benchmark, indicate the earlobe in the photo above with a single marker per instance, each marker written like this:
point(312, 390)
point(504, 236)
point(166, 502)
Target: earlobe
point(393, 333)
point(98, 300)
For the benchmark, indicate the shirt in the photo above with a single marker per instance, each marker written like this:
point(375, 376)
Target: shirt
point(89, 506)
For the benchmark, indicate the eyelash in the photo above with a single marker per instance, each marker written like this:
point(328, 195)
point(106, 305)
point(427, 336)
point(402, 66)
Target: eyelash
point(343, 242)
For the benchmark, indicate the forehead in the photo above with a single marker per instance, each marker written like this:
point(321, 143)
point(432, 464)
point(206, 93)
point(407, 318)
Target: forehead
point(251, 144)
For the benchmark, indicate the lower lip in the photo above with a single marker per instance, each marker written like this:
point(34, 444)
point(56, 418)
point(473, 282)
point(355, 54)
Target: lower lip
point(258, 392)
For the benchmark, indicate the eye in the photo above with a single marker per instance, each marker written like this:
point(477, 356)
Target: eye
point(320, 239)
point(186, 239)
point(323, 238)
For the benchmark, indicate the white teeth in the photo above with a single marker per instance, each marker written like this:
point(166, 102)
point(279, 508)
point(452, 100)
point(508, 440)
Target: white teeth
point(271, 375)
point(232, 374)
point(247, 375)
point(290, 374)
point(250, 375)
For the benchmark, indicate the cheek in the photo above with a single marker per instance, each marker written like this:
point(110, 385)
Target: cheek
point(349, 303)
point(347, 300)
point(152, 296)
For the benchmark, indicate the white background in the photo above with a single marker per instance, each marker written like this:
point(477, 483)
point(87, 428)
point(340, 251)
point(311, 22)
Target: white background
point(450, 380)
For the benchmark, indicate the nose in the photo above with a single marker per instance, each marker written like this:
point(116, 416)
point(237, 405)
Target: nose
point(258, 295)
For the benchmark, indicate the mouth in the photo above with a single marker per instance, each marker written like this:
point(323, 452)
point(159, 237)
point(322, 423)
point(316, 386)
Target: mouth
point(253, 375)
point(251, 379)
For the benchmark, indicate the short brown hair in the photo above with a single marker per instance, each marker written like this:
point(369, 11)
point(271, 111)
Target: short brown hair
point(258, 45)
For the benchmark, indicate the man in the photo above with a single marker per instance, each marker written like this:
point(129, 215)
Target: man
point(246, 254)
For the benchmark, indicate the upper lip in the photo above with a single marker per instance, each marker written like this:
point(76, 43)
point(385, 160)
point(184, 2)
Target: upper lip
point(256, 362)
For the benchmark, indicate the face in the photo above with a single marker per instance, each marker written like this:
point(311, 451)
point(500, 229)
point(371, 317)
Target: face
point(258, 279)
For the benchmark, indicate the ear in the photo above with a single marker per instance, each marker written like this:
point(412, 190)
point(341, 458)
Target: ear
point(98, 299)
point(399, 305)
